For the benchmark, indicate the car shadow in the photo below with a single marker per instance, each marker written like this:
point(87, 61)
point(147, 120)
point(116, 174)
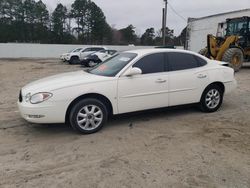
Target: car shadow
point(129, 119)
point(150, 115)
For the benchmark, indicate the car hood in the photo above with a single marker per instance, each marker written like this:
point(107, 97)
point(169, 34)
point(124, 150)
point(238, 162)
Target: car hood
point(64, 80)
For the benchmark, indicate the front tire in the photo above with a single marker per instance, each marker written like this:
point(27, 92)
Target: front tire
point(235, 58)
point(74, 60)
point(211, 99)
point(88, 116)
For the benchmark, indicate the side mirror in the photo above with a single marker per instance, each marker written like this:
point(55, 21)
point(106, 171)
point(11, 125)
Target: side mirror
point(133, 71)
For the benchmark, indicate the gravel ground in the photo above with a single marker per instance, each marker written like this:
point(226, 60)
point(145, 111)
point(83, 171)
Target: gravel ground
point(179, 147)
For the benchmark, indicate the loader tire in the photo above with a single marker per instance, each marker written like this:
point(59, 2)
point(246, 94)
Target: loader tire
point(235, 58)
point(204, 52)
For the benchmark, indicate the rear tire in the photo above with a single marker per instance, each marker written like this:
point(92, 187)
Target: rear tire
point(88, 116)
point(211, 99)
point(92, 64)
point(235, 58)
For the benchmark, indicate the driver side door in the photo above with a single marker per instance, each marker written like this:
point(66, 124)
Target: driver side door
point(146, 91)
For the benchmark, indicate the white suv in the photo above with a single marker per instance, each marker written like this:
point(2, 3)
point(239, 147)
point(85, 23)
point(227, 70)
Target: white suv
point(76, 57)
point(63, 56)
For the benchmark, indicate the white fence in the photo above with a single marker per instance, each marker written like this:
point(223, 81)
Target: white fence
point(24, 50)
point(17, 50)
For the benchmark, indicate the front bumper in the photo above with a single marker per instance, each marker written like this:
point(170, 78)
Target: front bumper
point(67, 58)
point(42, 113)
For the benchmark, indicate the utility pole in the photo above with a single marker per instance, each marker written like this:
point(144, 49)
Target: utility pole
point(164, 22)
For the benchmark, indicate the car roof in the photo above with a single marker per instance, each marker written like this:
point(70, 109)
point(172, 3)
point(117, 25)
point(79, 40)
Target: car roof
point(159, 50)
point(103, 47)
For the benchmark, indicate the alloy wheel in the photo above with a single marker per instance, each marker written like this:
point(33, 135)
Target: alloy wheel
point(213, 98)
point(89, 117)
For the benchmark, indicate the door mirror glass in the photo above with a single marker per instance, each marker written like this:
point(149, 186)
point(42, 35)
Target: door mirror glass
point(133, 71)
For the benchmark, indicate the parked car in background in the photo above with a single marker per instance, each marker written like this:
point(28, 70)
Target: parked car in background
point(63, 56)
point(131, 81)
point(76, 57)
point(98, 57)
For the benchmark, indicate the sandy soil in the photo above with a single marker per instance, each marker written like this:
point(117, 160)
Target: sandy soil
point(179, 147)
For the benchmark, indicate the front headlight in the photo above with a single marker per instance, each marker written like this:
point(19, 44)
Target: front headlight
point(40, 97)
point(27, 97)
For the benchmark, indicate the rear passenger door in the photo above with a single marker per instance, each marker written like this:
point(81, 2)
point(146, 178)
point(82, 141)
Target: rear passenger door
point(187, 78)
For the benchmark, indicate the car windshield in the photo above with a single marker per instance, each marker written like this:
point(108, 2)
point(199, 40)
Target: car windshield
point(75, 50)
point(113, 65)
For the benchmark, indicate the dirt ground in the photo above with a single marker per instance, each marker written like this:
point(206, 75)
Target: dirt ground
point(178, 148)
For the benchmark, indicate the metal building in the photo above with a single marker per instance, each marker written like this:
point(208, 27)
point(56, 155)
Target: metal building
point(199, 28)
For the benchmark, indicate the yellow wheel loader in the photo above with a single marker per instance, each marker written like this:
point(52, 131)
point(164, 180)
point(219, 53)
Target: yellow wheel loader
point(234, 48)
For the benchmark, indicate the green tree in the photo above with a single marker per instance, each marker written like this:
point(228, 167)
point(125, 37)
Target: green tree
point(41, 13)
point(41, 22)
point(181, 39)
point(10, 16)
point(148, 37)
point(128, 35)
point(98, 28)
point(92, 27)
point(79, 12)
point(59, 17)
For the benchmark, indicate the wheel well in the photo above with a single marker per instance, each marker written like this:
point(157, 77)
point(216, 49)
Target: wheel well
point(220, 84)
point(74, 56)
point(100, 97)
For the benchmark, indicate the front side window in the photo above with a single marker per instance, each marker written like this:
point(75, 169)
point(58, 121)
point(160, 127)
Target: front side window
point(150, 64)
point(96, 49)
point(181, 61)
point(237, 28)
point(114, 65)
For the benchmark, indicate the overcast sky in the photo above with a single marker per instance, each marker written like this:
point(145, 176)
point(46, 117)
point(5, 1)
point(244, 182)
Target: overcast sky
point(148, 13)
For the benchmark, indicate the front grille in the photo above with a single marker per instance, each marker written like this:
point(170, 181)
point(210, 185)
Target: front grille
point(20, 97)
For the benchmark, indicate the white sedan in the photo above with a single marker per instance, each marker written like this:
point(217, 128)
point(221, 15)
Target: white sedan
point(131, 81)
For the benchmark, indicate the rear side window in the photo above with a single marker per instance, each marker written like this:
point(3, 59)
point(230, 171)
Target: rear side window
point(92, 49)
point(181, 61)
point(202, 62)
point(150, 64)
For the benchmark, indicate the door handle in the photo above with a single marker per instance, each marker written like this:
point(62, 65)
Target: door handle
point(160, 81)
point(201, 76)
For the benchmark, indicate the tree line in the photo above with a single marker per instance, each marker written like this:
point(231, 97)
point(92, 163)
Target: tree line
point(84, 22)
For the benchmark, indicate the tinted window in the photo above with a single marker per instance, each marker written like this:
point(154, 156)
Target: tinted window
point(151, 64)
point(181, 61)
point(201, 62)
point(96, 49)
point(87, 50)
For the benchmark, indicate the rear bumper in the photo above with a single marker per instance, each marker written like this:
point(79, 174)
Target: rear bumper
point(230, 86)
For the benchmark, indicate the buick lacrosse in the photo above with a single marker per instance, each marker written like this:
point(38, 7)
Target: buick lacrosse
point(131, 81)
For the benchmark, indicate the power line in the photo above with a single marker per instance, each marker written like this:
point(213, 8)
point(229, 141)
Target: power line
point(182, 17)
